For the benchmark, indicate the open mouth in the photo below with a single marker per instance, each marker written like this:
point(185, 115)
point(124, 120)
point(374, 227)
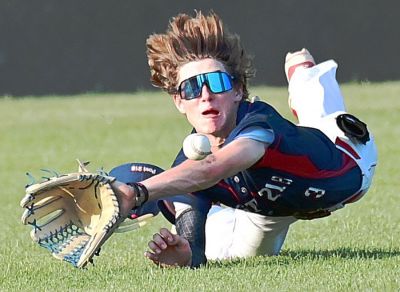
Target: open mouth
point(210, 112)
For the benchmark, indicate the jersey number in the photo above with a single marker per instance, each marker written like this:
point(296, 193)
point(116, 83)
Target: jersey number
point(272, 192)
point(314, 193)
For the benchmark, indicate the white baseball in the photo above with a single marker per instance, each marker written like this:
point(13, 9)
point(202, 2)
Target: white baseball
point(196, 146)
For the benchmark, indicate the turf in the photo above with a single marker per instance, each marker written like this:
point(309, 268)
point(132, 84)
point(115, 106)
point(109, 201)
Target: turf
point(357, 248)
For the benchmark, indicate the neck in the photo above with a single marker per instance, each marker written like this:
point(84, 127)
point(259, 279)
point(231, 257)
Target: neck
point(216, 142)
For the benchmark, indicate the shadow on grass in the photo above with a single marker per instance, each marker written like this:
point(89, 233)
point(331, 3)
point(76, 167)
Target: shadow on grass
point(287, 257)
point(343, 252)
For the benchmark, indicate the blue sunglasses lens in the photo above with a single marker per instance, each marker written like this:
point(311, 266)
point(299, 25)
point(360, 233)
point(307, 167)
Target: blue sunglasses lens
point(191, 88)
point(217, 82)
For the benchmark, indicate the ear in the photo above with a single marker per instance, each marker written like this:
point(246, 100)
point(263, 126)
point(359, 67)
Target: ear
point(179, 104)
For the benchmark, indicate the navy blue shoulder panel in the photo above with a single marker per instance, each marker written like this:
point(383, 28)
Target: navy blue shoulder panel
point(251, 114)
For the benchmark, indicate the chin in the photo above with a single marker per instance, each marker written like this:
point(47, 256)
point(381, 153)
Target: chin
point(203, 129)
point(205, 132)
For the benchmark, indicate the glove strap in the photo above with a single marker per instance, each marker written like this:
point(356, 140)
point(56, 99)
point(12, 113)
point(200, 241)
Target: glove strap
point(142, 194)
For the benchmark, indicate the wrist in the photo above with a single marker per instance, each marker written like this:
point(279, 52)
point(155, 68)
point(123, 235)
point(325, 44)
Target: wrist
point(141, 194)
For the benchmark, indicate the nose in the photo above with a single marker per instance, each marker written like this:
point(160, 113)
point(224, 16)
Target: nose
point(206, 94)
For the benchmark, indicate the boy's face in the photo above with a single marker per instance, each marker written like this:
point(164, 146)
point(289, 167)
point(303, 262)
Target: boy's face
point(211, 113)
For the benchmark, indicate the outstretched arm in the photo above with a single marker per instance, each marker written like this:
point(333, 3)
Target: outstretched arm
point(191, 176)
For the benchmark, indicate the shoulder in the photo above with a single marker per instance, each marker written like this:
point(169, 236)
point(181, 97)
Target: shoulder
point(256, 115)
point(257, 107)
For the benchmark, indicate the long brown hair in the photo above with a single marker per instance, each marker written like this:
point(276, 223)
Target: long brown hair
point(194, 38)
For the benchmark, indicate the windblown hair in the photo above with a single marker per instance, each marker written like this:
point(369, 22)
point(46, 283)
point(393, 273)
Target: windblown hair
point(191, 39)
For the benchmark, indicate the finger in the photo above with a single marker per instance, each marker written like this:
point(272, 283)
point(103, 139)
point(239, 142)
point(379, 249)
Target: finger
point(167, 235)
point(160, 241)
point(152, 257)
point(179, 240)
point(172, 239)
point(155, 247)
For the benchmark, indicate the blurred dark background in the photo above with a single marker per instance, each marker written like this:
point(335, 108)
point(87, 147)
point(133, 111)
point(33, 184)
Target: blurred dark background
point(66, 47)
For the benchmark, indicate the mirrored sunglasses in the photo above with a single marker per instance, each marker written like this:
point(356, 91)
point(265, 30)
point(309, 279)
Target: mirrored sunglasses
point(216, 82)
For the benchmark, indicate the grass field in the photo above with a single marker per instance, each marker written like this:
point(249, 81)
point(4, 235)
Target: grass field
point(355, 249)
